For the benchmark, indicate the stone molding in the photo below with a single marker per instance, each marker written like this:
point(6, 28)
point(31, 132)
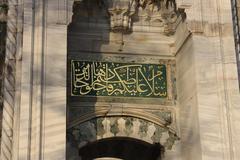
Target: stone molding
point(106, 125)
point(165, 119)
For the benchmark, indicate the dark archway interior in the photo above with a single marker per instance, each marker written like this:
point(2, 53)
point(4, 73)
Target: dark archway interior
point(121, 147)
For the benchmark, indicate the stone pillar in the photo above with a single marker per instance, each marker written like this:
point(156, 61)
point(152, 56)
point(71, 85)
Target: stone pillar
point(43, 81)
point(209, 100)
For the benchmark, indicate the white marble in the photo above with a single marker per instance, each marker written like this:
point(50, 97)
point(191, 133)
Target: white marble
point(208, 100)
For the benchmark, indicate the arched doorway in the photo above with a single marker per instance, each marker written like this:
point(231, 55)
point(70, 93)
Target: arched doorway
point(123, 148)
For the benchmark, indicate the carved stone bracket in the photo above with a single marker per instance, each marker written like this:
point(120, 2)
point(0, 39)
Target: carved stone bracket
point(121, 14)
point(162, 13)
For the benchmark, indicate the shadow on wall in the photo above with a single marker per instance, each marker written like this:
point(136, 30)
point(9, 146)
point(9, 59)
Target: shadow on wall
point(121, 147)
point(87, 32)
point(3, 27)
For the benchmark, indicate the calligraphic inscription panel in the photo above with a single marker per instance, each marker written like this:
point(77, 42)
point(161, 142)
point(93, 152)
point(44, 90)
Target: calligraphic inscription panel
point(118, 79)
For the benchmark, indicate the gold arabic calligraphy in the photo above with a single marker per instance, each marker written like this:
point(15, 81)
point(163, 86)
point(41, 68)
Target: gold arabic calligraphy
point(118, 79)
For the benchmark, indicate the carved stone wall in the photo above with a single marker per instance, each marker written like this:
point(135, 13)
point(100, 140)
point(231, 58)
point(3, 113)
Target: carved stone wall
point(122, 14)
point(207, 103)
point(111, 32)
point(136, 128)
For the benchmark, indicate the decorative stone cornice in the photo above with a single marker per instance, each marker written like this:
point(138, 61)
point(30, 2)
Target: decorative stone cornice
point(122, 14)
point(159, 128)
point(162, 13)
point(122, 126)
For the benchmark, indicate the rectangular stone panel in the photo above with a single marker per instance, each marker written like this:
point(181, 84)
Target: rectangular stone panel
point(96, 78)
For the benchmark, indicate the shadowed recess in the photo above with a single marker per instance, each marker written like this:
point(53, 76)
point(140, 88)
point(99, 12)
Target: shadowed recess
point(121, 147)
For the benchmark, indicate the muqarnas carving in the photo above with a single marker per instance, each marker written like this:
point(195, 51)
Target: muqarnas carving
point(121, 14)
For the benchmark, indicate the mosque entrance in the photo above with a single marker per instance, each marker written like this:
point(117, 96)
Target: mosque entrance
point(124, 148)
point(120, 90)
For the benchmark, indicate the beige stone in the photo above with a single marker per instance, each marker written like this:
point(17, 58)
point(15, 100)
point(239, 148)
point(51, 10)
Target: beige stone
point(205, 112)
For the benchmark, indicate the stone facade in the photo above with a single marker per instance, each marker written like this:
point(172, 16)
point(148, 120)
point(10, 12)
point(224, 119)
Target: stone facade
point(193, 39)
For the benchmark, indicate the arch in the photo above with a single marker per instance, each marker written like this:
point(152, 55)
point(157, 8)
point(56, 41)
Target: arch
point(121, 126)
point(125, 113)
point(121, 147)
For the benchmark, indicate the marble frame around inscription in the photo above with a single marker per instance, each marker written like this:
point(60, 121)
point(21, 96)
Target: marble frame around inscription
point(99, 73)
